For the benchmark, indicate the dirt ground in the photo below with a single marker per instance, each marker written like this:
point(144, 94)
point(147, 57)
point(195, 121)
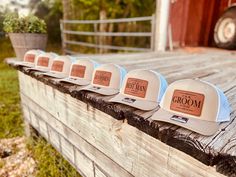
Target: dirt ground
point(15, 158)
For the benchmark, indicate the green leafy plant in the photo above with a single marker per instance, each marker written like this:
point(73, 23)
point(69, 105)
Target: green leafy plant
point(28, 24)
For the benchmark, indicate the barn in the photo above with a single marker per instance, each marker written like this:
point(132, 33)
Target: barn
point(193, 21)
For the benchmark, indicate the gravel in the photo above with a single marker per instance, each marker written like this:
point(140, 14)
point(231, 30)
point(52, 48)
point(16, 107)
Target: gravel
point(15, 158)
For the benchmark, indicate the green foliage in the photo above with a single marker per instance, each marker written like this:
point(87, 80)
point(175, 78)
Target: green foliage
point(1, 163)
point(28, 24)
point(51, 12)
point(10, 115)
point(1, 20)
point(49, 162)
point(89, 9)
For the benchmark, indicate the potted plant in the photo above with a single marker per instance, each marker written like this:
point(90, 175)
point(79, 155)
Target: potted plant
point(25, 33)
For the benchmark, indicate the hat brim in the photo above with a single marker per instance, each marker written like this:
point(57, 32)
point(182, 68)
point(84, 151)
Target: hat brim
point(101, 90)
point(136, 103)
point(200, 126)
point(55, 75)
point(25, 64)
point(78, 81)
point(38, 69)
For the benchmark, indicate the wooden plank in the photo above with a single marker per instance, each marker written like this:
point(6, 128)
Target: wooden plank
point(67, 150)
point(83, 160)
point(84, 164)
point(185, 168)
point(99, 172)
point(122, 129)
point(34, 122)
point(43, 128)
point(129, 57)
point(200, 168)
point(187, 62)
point(81, 145)
point(217, 67)
point(98, 134)
point(54, 138)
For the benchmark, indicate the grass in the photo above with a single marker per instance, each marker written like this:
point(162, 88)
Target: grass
point(49, 162)
point(10, 115)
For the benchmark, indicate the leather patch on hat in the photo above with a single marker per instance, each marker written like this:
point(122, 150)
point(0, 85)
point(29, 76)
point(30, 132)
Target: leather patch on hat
point(102, 78)
point(30, 58)
point(43, 61)
point(187, 102)
point(136, 87)
point(57, 66)
point(78, 71)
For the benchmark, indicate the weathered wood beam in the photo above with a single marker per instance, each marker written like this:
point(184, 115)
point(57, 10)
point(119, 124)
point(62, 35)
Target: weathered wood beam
point(81, 111)
point(166, 135)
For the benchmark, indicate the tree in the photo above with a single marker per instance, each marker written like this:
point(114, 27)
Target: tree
point(67, 11)
point(51, 12)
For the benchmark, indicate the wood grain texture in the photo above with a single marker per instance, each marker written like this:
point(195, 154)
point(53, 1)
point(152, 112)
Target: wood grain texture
point(82, 146)
point(145, 155)
point(99, 172)
point(215, 66)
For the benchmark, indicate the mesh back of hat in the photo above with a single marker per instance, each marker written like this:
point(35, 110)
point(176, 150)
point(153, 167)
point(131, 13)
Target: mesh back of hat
point(224, 107)
point(163, 86)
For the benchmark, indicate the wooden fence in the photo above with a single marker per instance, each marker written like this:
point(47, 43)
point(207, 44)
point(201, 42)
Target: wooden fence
point(65, 32)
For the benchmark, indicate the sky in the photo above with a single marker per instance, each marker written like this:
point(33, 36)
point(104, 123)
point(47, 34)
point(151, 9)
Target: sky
point(21, 5)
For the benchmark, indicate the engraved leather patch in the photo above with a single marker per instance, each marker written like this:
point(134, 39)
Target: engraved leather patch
point(102, 78)
point(136, 87)
point(187, 102)
point(57, 66)
point(78, 71)
point(30, 58)
point(43, 61)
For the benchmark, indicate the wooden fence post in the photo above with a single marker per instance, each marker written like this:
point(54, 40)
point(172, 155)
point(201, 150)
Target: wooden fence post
point(153, 27)
point(95, 27)
point(63, 36)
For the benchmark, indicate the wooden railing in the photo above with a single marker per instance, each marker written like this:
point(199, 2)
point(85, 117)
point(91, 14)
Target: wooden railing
point(69, 41)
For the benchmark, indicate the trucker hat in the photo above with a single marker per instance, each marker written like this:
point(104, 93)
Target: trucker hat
point(43, 62)
point(194, 104)
point(29, 58)
point(107, 79)
point(142, 89)
point(60, 67)
point(81, 72)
